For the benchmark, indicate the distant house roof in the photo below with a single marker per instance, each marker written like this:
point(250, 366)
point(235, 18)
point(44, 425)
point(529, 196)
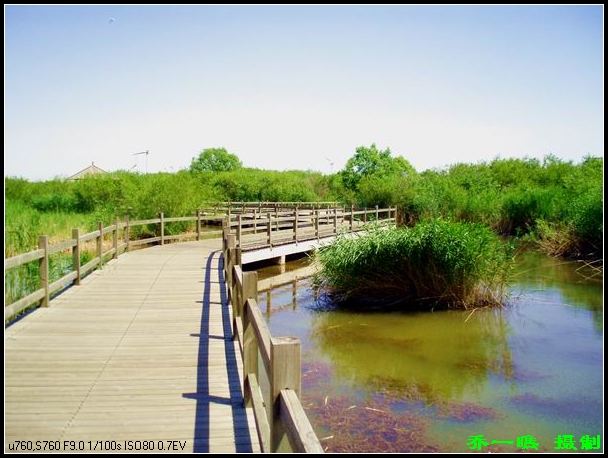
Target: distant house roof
point(90, 170)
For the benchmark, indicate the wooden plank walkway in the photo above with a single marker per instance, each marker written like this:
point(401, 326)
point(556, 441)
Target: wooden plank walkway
point(141, 351)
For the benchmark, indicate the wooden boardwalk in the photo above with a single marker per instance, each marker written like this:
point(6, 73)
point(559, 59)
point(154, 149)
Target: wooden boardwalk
point(140, 351)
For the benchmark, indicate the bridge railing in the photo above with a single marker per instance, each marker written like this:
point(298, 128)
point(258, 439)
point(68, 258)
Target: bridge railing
point(216, 208)
point(266, 229)
point(271, 365)
point(103, 244)
point(305, 221)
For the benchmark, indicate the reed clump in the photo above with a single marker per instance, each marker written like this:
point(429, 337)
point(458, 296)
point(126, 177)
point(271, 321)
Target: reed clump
point(435, 264)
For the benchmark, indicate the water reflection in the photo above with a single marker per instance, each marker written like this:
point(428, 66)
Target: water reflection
point(575, 283)
point(412, 382)
point(430, 357)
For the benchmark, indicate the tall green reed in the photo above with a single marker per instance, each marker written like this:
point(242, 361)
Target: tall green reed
point(435, 264)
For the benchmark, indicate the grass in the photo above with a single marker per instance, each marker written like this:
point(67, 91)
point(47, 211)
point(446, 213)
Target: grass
point(23, 225)
point(435, 264)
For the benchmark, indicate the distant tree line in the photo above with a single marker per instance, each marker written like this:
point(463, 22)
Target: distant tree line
point(554, 203)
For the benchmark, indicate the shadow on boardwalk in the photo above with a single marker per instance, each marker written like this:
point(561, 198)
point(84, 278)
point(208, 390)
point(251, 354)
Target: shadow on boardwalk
point(202, 395)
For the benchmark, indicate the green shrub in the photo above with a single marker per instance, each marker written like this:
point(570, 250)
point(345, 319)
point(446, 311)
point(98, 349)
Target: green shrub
point(55, 203)
point(522, 207)
point(587, 219)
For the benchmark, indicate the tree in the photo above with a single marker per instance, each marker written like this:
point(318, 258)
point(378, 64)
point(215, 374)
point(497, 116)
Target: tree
point(215, 160)
point(368, 162)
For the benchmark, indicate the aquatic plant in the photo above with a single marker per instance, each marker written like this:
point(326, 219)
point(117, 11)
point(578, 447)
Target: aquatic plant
point(435, 264)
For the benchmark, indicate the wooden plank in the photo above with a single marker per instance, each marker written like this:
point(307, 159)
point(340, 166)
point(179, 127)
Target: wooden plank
point(62, 246)
point(261, 331)
point(20, 259)
point(259, 410)
point(180, 218)
point(64, 281)
point(43, 270)
point(108, 229)
point(18, 306)
point(89, 236)
point(144, 241)
point(143, 222)
point(89, 266)
point(302, 436)
point(237, 272)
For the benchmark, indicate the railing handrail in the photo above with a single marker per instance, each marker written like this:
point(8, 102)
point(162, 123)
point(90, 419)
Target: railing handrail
point(22, 258)
point(282, 415)
point(301, 225)
point(44, 250)
point(280, 357)
point(295, 222)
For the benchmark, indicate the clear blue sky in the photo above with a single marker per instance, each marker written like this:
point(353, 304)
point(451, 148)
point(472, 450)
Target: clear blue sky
point(298, 87)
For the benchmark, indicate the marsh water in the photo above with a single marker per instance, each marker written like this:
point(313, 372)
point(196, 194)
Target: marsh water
point(408, 382)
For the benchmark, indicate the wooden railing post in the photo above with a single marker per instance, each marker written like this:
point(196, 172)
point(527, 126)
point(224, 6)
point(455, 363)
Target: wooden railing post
point(352, 216)
point(232, 287)
point(239, 229)
point(43, 243)
point(335, 220)
point(231, 245)
point(238, 256)
point(162, 228)
point(295, 225)
point(250, 356)
point(269, 229)
point(250, 344)
point(249, 291)
point(317, 216)
point(376, 213)
point(285, 374)
point(126, 232)
point(365, 215)
point(100, 244)
point(255, 220)
point(225, 233)
point(115, 239)
point(198, 224)
point(399, 217)
point(76, 254)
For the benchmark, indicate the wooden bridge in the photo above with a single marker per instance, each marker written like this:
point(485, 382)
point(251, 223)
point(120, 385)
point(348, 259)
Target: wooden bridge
point(163, 349)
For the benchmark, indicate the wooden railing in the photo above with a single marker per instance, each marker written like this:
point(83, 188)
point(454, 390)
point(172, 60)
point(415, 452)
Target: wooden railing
point(256, 230)
point(261, 207)
point(119, 242)
point(271, 365)
point(304, 221)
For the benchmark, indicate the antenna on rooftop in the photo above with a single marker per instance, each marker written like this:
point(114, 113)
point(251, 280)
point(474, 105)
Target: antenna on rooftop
point(146, 153)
